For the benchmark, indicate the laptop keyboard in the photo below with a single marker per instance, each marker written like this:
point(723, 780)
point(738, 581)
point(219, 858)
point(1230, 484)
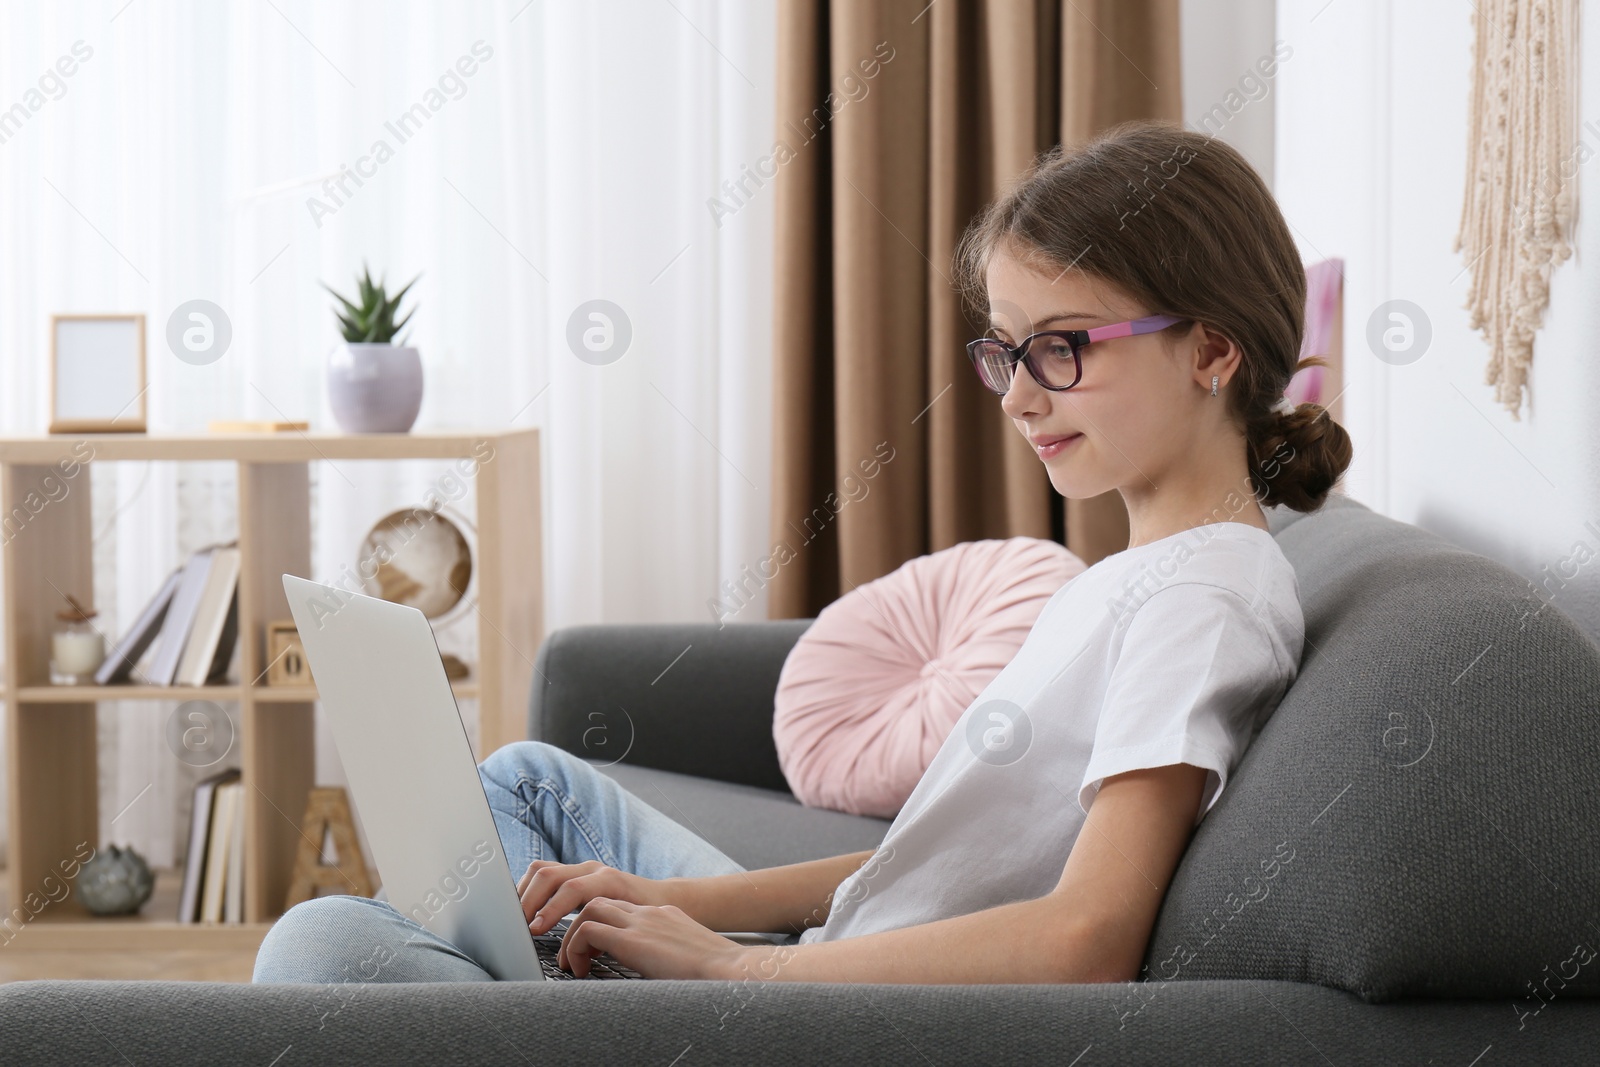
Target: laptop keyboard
point(603, 966)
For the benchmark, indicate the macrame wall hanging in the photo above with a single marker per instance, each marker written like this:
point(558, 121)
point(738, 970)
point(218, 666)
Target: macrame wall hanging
point(1523, 156)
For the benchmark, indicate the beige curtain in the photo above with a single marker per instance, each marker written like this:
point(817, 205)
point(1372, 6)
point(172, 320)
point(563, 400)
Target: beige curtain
point(903, 119)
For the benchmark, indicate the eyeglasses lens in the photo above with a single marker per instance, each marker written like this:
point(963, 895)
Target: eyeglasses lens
point(1051, 357)
point(993, 361)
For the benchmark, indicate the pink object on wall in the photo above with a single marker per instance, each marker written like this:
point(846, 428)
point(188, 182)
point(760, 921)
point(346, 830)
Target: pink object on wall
point(1323, 283)
point(873, 687)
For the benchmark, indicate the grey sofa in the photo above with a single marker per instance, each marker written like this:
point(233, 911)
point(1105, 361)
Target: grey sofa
point(1404, 867)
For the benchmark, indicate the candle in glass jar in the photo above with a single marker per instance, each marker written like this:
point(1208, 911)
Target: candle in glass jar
point(78, 652)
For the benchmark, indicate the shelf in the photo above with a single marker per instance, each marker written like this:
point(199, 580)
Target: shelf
point(254, 447)
point(82, 694)
point(466, 689)
point(95, 934)
point(51, 736)
point(288, 694)
point(78, 931)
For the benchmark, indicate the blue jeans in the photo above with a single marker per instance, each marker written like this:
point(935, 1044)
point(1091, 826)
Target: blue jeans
point(547, 804)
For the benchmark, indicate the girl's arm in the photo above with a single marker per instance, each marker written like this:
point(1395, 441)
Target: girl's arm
point(1093, 927)
point(789, 898)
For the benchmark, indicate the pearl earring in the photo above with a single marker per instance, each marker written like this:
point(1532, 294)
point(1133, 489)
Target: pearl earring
point(1214, 378)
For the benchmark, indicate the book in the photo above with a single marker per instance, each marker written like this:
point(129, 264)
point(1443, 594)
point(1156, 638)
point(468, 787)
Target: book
point(199, 834)
point(127, 652)
point(180, 618)
point(216, 602)
point(233, 884)
point(222, 820)
point(228, 644)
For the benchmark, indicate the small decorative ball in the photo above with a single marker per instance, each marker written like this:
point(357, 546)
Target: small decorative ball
point(116, 881)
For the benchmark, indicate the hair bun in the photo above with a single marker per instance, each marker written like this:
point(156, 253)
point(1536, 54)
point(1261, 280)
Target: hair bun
point(1300, 457)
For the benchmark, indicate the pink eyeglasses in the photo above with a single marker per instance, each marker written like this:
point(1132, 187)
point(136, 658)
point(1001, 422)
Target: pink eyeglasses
point(1059, 364)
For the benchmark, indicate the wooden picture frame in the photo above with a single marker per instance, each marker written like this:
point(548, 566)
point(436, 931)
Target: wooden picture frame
point(97, 373)
point(286, 659)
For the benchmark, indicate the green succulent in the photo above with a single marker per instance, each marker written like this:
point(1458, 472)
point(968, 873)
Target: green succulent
point(372, 321)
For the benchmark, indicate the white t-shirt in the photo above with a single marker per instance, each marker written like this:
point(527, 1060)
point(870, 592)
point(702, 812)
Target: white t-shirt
point(1175, 651)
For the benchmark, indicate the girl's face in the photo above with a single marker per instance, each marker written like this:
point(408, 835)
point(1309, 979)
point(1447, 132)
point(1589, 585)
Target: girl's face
point(1124, 423)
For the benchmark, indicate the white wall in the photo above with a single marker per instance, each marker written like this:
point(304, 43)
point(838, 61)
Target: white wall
point(1226, 47)
point(1370, 116)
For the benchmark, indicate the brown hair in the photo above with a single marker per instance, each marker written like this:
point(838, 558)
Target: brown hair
point(1180, 221)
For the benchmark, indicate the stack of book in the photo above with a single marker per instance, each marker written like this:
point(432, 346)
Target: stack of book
point(213, 871)
point(186, 635)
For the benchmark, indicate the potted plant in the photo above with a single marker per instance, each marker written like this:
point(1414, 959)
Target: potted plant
point(374, 384)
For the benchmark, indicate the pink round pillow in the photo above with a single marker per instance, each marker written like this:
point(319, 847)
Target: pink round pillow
point(874, 686)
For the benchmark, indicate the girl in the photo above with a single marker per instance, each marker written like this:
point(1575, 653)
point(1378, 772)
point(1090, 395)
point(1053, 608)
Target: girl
point(1146, 306)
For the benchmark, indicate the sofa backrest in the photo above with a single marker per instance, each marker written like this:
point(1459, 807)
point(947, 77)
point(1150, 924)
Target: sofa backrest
point(1419, 816)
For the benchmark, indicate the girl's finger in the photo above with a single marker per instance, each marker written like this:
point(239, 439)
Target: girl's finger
point(567, 897)
point(598, 917)
point(533, 868)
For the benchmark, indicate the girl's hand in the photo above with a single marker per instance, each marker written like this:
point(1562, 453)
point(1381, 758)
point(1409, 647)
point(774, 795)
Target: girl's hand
point(658, 942)
point(549, 890)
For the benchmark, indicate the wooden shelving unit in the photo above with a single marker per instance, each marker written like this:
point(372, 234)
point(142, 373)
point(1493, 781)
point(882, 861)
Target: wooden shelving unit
point(51, 751)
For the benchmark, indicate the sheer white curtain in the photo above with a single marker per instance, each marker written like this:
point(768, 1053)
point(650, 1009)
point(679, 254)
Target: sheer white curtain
point(213, 151)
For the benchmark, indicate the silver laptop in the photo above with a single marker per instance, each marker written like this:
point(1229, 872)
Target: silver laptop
point(405, 752)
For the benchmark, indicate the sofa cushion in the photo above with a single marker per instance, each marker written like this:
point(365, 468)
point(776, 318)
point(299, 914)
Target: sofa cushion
point(870, 692)
point(754, 827)
point(1418, 816)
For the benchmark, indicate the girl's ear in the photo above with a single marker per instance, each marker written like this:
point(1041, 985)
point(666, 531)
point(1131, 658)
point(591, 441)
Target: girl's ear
point(1215, 354)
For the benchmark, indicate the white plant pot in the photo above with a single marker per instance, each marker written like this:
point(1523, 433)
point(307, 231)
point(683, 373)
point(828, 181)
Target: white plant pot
point(375, 388)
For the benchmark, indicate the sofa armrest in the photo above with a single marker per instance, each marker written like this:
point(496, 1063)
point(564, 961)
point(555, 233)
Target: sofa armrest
point(44, 1023)
point(695, 698)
